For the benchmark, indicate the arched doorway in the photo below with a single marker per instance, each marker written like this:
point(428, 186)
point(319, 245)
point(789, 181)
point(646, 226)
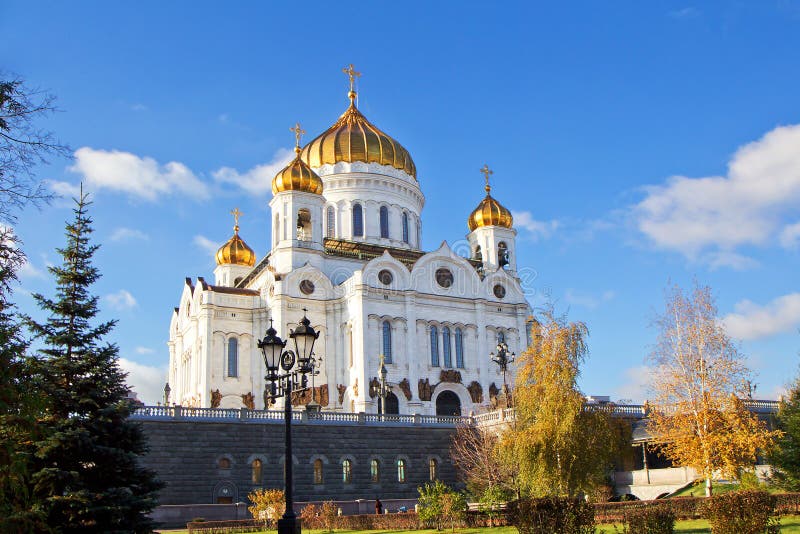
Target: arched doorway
point(447, 403)
point(391, 403)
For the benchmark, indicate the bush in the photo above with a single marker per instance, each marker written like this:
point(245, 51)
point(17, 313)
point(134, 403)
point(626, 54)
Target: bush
point(268, 504)
point(742, 512)
point(329, 513)
point(491, 502)
point(650, 519)
point(438, 503)
point(552, 514)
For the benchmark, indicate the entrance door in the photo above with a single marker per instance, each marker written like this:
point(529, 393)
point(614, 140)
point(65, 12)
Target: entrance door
point(392, 405)
point(447, 403)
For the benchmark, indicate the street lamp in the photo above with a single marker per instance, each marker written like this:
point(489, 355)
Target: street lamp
point(167, 391)
point(384, 390)
point(293, 378)
point(503, 358)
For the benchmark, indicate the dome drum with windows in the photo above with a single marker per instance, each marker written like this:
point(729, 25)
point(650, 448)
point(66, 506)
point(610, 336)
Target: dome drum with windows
point(235, 251)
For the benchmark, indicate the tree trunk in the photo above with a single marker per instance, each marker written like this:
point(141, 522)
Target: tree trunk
point(708, 487)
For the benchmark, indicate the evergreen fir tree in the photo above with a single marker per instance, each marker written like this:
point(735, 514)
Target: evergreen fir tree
point(89, 476)
point(18, 405)
point(785, 458)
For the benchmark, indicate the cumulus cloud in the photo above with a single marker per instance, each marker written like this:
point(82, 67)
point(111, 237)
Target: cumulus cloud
point(754, 321)
point(147, 381)
point(635, 387)
point(708, 218)
point(536, 229)
point(121, 300)
point(64, 189)
point(576, 298)
point(790, 236)
point(206, 244)
point(128, 234)
point(139, 177)
point(258, 180)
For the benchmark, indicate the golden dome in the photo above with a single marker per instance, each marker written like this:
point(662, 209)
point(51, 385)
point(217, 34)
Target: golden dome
point(354, 138)
point(489, 212)
point(297, 176)
point(236, 251)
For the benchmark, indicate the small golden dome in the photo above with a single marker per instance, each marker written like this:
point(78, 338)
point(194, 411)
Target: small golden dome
point(297, 176)
point(354, 138)
point(489, 212)
point(236, 251)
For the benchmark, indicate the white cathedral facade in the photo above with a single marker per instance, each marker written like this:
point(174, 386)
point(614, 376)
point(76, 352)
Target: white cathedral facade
point(345, 250)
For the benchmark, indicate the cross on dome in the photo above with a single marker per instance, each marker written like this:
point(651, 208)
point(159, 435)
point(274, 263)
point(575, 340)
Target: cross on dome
point(298, 133)
point(352, 74)
point(486, 173)
point(236, 214)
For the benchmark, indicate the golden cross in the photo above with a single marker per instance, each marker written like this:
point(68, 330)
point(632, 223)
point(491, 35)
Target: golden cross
point(298, 133)
point(351, 72)
point(236, 214)
point(486, 173)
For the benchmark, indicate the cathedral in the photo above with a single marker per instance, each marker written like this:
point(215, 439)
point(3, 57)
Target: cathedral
point(346, 253)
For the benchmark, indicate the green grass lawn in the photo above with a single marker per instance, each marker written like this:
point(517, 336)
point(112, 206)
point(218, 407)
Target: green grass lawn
point(698, 489)
point(789, 524)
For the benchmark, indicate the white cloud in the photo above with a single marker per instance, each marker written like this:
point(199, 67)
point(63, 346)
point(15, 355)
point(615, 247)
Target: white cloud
point(536, 229)
point(586, 300)
point(128, 234)
point(685, 13)
point(637, 382)
point(724, 258)
point(139, 177)
point(29, 270)
point(144, 350)
point(753, 321)
point(64, 189)
point(258, 180)
point(206, 244)
point(700, 217)
point(121, 300)
point(147, 381)
point(790, 236)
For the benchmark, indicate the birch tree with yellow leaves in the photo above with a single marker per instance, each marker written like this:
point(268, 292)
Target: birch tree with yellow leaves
point(698, 380)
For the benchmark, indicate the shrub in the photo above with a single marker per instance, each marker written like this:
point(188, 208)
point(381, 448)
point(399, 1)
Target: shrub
point(268, 504)
point(309, 516)
point(329, 513)
point(438, 503)
point(552, 514)
point(650, 519)
point(491, 501)
point(742, 512)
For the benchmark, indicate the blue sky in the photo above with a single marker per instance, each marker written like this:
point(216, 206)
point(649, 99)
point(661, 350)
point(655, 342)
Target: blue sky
point(637, 143)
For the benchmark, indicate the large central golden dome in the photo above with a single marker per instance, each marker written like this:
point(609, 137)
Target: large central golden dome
point(354, 138)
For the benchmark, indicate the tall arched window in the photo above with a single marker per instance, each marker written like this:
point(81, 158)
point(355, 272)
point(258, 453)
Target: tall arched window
point(401, 471)
point(387, 341)
point(459, 348)
point(347, 471)
point(405, 227)
point(419, 233)
point(446, 347)
point(384, 211)
point(318, 471)
point(501, 337)
point(502, 254)
point(331, 220)
point(433, 468)
point(358, 221)
point(233, 357)
point(375, 471)
point(434, 346)
point(256, 472)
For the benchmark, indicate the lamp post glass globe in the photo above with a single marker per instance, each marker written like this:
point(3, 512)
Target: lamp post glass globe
point(304, 337)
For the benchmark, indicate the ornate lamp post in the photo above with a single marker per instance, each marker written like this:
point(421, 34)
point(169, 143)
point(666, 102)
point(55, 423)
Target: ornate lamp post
point(503, 358)
point(384, 390)
point(167, 391)
point(293, 378)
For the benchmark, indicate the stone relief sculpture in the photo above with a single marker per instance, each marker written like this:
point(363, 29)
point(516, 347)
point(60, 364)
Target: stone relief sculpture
point(216, 398)
point(475, 392)
point(342, 389)
point(405, 387)
point(450, 375)
point(425, 390)
point(305, 396)
point(249, 401)
point(355, 389)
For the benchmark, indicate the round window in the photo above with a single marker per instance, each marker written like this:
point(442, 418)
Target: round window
point(385, 277)
point(444, 277)
point(307, 286)
point(499, 291)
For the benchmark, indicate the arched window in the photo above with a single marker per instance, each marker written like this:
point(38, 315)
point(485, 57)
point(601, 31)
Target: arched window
point(358, 221)
point(446, 347)
point(233, 357)
point(347, 471)
point(433, 467)
point(478, 253)
point(318, 471)
point(419, 233)
point(224, 463)
point(331, 220)
point(434, 346)
point(401, 471)
point(384, 211)
point(256, 471)
point(459, 348)
point(405, 227)
point(502, 254)
point(387, 342)
point(501, 337)
point(374, 471)
point(277, 229)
